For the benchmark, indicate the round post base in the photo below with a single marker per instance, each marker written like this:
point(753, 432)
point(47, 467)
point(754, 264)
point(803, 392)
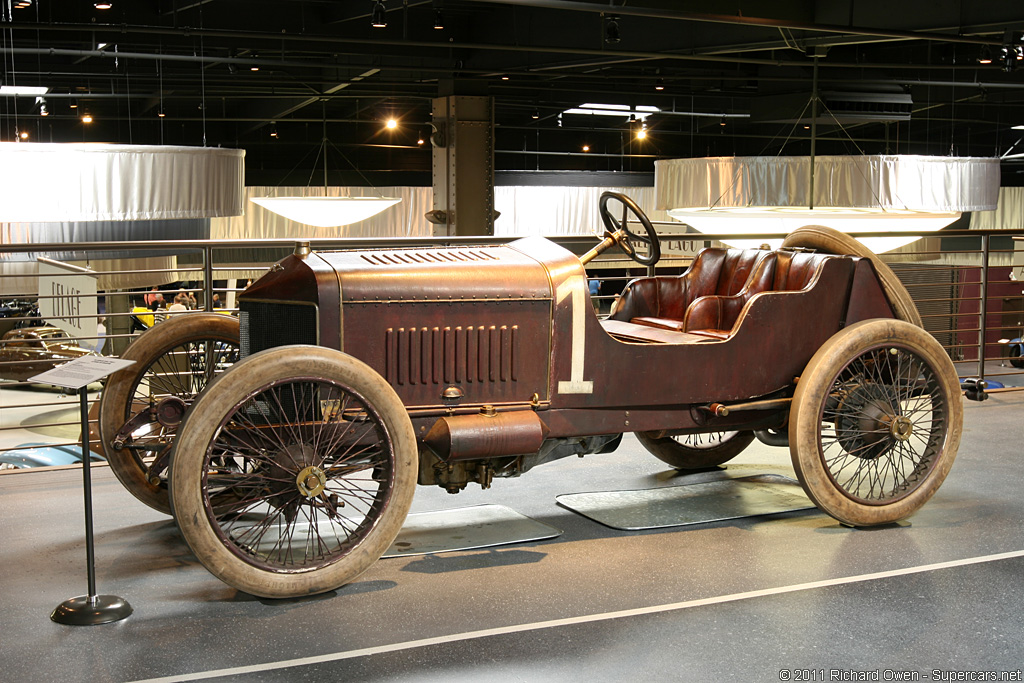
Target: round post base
point(88, 610)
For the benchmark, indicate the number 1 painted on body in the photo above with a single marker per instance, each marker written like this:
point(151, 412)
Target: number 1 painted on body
point(575, 287)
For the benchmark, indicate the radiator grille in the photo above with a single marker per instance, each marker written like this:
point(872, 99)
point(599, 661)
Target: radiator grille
point(266, 325)
point(452, 355)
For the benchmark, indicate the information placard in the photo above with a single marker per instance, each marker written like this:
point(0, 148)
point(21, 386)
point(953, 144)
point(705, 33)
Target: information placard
point(81, 371)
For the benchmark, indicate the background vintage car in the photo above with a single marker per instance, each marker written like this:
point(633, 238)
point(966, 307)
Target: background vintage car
point(28, 351)
point(1015, 352)
point(43, 455)
point(15, 313)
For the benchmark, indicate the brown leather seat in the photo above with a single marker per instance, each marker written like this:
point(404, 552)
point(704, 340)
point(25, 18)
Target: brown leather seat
point(715, 316)
point(662, 301)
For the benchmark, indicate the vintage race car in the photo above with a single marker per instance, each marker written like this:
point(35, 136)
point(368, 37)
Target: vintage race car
point(363, 373)
point(29, 351)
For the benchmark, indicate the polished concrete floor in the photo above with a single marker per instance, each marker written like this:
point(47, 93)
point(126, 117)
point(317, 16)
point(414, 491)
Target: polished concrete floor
point(785, 597)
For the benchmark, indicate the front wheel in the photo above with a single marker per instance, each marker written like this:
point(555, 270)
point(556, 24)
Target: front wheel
point(696, 451)
point(293, 472)
point(875, 422)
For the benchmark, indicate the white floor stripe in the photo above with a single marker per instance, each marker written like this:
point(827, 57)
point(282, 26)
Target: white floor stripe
point(569, 621)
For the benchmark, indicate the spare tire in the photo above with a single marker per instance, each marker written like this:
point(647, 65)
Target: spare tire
point(830, 241)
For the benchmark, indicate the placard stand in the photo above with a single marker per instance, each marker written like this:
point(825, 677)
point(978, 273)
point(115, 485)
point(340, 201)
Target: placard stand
point(86, 610)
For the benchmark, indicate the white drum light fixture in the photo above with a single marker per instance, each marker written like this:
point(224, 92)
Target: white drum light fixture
point(54, 182)
point(326, 212)
point(904, 194)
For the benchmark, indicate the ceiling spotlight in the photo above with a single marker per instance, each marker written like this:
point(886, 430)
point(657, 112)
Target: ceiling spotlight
point(535, 116)
point(103, 5)
point(273, 129)
point(505, 77)
point(659, 85)
point(1009, 59)
point(422, 139)
point(254, 67)
point(642, 133)
point(73, 105)
point(611, 29)
point(586, 148)
point(23, 135)
point(377, 18)
point(86, 117)
point(438, 20)
point(1013, 49)
point(161, 113)
point(43, 111)
point(391, 124)
point(23, 4)
point(722, 122)
point(986, 55)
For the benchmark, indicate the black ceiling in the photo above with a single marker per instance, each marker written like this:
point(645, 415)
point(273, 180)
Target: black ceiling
point(895, 77)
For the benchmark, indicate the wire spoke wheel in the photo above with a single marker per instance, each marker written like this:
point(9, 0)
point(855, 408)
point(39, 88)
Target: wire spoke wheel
point(143, 404)
point(696, 451)
point(294, 472)
point(876, 422)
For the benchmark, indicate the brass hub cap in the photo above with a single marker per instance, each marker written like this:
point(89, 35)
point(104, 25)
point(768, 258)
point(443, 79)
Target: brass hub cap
point(311, 481)
point(901, 428)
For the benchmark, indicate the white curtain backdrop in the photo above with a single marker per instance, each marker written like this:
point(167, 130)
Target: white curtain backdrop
point(917, 183)
point(525, 210)
point(1008, 215)
point(405, 219)
point(553, 211)
point(42, 182)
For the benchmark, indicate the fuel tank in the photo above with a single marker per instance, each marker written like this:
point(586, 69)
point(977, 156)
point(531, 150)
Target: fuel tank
point(473, 319)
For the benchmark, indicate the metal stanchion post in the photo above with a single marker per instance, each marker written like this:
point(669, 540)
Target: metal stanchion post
point(86, 610)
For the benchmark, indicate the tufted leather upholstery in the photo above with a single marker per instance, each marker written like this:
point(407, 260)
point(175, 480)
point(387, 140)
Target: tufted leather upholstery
point(707, 299)
point(662, 301)
point(716, 316)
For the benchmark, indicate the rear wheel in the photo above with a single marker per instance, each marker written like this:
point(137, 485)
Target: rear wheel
point(696, 451)
point(174, 361)
point(875, 422)
point(293, 472)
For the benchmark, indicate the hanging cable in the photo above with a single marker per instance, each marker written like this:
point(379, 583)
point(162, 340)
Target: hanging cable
point(202, 73)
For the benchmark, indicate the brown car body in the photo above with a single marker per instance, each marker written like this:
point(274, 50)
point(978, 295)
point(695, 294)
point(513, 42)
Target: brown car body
point(497, 351)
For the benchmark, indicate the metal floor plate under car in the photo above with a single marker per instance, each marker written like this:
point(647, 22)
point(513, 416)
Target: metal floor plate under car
point(468, 528)
point(423, 533)
point(713, 501)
